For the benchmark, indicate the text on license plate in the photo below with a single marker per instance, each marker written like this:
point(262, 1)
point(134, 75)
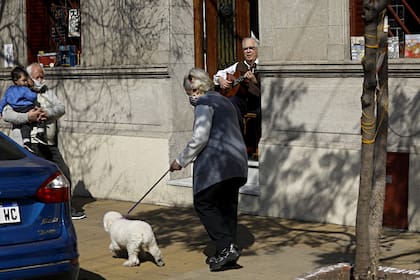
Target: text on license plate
point(9, 213)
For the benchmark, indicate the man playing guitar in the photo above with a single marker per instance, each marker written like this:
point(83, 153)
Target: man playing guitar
point(246, 69)
point(247, 99)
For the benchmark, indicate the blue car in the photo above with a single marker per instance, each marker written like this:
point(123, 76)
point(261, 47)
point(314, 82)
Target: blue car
point(37, 236)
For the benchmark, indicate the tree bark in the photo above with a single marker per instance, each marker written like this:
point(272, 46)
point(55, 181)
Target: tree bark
point(372, 187)
point(380, 154)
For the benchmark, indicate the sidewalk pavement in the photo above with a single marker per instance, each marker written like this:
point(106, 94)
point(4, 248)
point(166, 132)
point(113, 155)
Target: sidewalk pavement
point(273, 248)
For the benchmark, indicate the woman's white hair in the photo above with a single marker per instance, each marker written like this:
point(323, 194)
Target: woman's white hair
point(197, 78)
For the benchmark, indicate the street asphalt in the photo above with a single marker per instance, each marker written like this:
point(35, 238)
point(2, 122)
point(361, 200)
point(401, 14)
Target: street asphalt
point(273, 248)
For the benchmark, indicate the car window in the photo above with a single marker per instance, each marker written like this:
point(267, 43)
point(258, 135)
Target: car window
point(9, 151)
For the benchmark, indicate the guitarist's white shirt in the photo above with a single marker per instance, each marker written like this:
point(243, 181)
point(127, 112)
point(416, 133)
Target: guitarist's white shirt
point(229, 70)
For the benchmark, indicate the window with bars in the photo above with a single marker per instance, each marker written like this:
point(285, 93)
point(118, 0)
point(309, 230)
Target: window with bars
point(404, 28)
point(53, 31)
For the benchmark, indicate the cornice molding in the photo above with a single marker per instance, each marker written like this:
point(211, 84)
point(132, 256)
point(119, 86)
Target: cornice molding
point(396, 69)
point(109, 72)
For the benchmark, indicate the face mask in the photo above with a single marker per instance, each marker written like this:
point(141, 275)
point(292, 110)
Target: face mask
point(40, 86)
point(193, 100)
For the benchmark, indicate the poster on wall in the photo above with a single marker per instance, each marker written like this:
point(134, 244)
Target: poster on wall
point(74, 23)
point(393, 47)
point(8, 55)
point(357, 47)
point(412, 46)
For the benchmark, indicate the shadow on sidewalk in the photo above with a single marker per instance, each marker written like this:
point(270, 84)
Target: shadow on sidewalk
point(87, 275)
point(322, 244)
point(81, 196)
point(256, 235)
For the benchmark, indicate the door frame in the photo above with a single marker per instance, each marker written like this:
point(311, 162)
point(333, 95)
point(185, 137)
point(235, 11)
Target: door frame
point(205, 40)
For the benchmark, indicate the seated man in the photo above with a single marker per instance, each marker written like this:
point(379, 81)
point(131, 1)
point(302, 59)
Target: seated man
point(248, 97)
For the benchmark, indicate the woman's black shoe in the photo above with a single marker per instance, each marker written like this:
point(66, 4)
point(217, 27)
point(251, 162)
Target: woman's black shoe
point(227, 256)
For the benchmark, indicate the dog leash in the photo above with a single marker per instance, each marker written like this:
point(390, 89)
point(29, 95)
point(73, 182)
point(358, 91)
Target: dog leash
point(154, 185)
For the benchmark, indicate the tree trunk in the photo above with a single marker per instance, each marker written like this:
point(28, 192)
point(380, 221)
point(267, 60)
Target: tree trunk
point(372, 173)
point(380, 154)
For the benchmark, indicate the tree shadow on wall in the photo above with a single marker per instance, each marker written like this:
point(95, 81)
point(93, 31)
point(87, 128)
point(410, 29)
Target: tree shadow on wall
point(122, 100)
point(403, 109)
point(322, 180)
point(334, 174)
point(107, 97)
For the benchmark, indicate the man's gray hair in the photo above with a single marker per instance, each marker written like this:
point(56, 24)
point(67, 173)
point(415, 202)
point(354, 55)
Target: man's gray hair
point(29, 68)
point(257, 43)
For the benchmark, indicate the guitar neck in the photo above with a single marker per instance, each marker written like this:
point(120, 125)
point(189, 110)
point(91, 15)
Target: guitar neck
point(238, 81)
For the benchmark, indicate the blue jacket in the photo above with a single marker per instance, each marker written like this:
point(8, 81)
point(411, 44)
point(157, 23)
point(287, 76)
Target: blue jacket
point(17, 97)
point(217, 147)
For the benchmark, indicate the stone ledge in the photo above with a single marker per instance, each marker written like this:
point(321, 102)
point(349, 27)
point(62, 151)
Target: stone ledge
point(106, 72)
point(404, 68)
point(250, 188)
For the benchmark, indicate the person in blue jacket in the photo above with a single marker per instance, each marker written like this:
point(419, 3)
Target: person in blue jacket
point(219, 154)
point(22, 99)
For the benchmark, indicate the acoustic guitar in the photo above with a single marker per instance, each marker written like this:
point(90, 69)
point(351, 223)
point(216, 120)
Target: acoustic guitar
point(228, 92)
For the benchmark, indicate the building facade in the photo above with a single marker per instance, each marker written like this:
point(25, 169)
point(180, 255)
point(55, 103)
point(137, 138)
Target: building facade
point(127, 116)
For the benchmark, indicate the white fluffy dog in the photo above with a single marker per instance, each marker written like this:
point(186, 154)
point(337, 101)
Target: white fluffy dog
point(134, 236)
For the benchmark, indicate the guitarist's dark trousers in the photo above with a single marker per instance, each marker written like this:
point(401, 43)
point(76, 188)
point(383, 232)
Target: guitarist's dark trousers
point(248, 103)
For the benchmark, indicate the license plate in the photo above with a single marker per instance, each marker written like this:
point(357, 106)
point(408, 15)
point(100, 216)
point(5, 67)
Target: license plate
point(9, 213)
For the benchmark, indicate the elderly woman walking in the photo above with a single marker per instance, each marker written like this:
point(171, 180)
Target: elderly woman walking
point(220, 166)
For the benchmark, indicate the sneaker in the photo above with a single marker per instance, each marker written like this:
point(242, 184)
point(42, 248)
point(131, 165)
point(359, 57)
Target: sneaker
point(210, 260)
point(227, 256)
point(77, 215)
point(40, 137)
point(29, 147)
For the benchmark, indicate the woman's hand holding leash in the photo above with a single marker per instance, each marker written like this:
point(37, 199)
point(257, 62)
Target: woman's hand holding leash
point(175, 166)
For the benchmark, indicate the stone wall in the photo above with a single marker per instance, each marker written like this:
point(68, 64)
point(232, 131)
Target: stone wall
point(310, 147)
point(13, 31)
point(127, 115)
point(304, 30)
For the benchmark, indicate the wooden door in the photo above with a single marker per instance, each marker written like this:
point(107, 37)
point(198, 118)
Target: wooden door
point(227, 22)
point(356, 18)
point(396, 194)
